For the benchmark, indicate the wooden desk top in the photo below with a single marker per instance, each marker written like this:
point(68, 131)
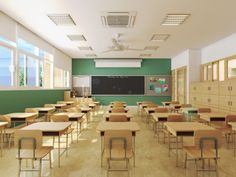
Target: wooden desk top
point(157, 116)
point(233, 124)
point(48, 109)
point(48, 126)
point(185, 127)
point(103, 126)
point(21, 115)
point(59, 105)
point(186, 110)
point(213, 115)
point(126, 109)
point(65, 102)
point(111, 114)
point(3, 124)
point(71, 114)
point(85, 109)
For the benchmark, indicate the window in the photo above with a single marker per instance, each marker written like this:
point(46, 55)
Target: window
point(209, 72)
point(26, 46)
point(215, 71)
point(22, 70)
point(231, 68)
point(221, 70)
point(66, 78)
point(47, 77)
point(204, 73)
point(6, 74)
point(58, 77)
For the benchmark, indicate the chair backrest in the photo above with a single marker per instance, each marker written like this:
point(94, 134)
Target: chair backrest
point(186, 105)
point(118, 110)
point(27, 138)
point(204, 110)
point(60, 102)
point(174, 102)
point(152, 105)
point(7, 119)
point(115, 139)
point(161, 110)
point(59, 118)
point(230, 118)
point(175, 118)
point(208, 139)
point(49, 106)
point(72, 109)
point(118, 118)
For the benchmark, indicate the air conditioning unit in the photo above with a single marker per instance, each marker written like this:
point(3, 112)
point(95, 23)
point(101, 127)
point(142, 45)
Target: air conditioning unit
point(118, 19)
point(118, 63)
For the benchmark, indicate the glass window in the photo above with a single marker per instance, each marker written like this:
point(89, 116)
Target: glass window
point(41, 74)
point(232, 68)
point(6, 41)
point(66, 79)
point(22, 70)
point(221, 70)
point(47, 78)
point(24, 45)
point(6, 56)
point(205, 73)
point(58, 77)
point(209, 72)
point(215, 71)
point(31, 72)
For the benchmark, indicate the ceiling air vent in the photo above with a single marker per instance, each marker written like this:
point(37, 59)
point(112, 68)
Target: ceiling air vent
point(85, 48)
point(118, 19)
point(61, 19)
point(76, 37)
point(151, 48)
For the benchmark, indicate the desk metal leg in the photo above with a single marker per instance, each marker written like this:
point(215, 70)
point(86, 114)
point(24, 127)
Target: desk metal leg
point(177, 151)
point(1, 133)
point(59, 151)
point(77, 127)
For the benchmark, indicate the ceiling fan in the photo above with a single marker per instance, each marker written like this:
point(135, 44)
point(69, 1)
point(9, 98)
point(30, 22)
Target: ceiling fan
point(117, 46)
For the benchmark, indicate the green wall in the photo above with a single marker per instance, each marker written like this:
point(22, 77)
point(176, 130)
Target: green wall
point(18, 100)
point(149, 67)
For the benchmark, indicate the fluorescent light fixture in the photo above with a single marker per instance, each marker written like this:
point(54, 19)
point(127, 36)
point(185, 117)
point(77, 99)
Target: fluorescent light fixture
point(145, 55)
point(91, 55)
point(61, 19)
point(85, 48)
point(175, 19)
point(159, 37)
point(118, 63)
point(76, 37)
point(151, 48)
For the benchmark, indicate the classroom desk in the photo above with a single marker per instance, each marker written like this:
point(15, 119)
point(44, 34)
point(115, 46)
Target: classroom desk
point(181, 129)
point(74, 117)
point(59, 106)
point(2, 128)
point(233, 125)
point(107, 115)
point(124, 105)
point(213, 116)
point(166, 103)
point(52, 129)
point(68, 103)
point(103, 126)
point(110, 110)
point(86, 111)
point(45, 111)
point(20, 117)
point(189, 112)
point(118, 101)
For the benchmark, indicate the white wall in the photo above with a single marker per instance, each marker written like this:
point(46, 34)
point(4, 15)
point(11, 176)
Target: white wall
point(180, 60)
point(220, 49)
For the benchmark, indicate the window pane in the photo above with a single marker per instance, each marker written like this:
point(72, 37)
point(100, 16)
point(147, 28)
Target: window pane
point(5, 63)
point(222, 70)
point(209, 72)
point(66, 79)
point(215, 71)
point(41, 74)
point(31, 72)
point(24, 45)
point(58, 77)
point(47, 75)
point(205, 73)
point(232, 68)
point(22, 70)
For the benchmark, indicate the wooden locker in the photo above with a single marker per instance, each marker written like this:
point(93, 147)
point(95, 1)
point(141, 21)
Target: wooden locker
point(224, 102)
point(224, 88)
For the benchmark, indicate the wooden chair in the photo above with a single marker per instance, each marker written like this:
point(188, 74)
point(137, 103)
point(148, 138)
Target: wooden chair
point(174, 102)
point(206, 145)
point(118, 118)
point(9, 132)
point(118, 146)
point(118, 110)
point(29, 145)
point(49, 106)
point(204, 110)
point(186, 105)
point(63, 118)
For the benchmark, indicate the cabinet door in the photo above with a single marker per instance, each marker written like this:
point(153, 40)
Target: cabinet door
point(205, 88)
point(224, 88)
point(214, 88)
point(198, 99)
point(224, 103)
point(206, 100)
point(214, 100)
point(233, 103)
point(233, 88)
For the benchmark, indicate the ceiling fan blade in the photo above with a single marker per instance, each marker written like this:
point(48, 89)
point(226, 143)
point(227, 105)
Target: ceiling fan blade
point(115, 42)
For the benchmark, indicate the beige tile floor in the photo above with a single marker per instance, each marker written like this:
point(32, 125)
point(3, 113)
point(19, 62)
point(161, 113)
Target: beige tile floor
point(84, 158)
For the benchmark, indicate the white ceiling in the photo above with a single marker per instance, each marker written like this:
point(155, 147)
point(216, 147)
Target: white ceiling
point(210, 21)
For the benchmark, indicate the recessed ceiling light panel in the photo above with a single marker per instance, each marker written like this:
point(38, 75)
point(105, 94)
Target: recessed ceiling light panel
point(61, 19)
point(175, 19)
point(85, 48)
point(151, 48)
point(159, 37)
point(76, 37)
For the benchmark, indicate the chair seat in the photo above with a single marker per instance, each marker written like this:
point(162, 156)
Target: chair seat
point(118, 153)
point(225, 130)
point(195, 153)
point(39, 153)
point(9, 130)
